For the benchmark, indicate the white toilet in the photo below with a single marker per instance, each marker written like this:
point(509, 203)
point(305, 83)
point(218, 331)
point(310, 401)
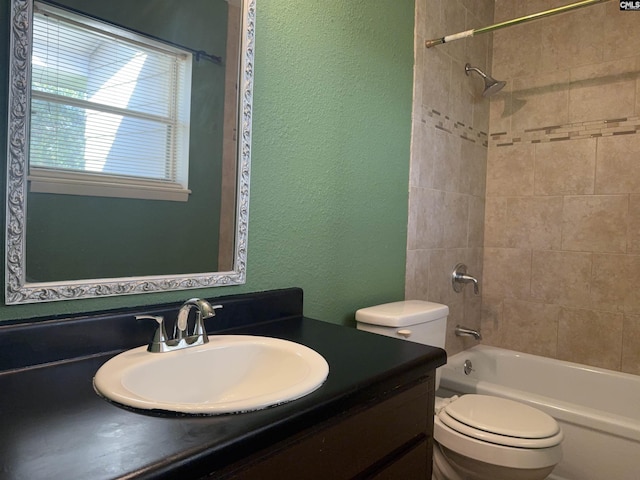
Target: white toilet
point(477, 437)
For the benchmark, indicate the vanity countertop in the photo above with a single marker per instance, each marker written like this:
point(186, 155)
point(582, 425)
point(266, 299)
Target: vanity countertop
point(54, 426)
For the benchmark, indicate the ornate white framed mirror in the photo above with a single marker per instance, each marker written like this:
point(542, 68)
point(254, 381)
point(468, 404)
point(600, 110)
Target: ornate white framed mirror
point(128, 147)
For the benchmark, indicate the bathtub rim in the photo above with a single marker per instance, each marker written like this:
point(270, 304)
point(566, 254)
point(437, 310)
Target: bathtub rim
point(454, 380)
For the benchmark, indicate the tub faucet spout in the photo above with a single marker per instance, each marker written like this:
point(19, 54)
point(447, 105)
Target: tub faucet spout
point(467, 332)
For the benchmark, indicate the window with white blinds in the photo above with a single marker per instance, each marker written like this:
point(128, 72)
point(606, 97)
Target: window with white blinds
point(109, 110)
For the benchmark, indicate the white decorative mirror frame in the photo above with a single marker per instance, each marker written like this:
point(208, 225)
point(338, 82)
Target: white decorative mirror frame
point(17, 289)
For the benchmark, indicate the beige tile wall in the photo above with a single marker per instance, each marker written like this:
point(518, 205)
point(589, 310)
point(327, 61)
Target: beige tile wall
point(562, 212)
point(448, 160)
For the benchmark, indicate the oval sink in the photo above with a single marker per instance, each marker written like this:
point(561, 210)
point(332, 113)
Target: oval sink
point(230, 374)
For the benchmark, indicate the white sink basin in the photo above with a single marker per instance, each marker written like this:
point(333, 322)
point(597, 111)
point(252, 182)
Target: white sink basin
point(230, 374)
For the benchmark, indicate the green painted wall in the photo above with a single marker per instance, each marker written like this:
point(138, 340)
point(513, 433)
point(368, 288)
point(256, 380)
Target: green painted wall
point(331, 135)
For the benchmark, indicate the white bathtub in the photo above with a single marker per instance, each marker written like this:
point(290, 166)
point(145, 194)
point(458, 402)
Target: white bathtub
point(598, 410)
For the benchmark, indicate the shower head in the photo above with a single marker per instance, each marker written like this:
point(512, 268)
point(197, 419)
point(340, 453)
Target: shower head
point(491, 85)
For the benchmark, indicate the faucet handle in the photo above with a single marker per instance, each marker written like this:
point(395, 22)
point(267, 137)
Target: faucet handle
point(213, 310)
point(207, 312)
point(157, 318)
point(459, 277)
point(160, 337)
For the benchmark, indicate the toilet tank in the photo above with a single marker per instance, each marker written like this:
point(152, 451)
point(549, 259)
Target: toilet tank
point(413, 320)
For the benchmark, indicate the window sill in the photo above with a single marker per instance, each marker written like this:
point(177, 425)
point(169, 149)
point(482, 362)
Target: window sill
point(64, 183)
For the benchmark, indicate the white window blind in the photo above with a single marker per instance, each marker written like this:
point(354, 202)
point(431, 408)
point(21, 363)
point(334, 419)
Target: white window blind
point(106, 103)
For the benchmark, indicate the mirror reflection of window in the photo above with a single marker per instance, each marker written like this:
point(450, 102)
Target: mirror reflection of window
point(108, 106)
point(94, 244)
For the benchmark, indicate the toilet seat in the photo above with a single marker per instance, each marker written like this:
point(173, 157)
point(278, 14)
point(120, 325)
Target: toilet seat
point(501, 455)
point(489, 444)
point(501, 421)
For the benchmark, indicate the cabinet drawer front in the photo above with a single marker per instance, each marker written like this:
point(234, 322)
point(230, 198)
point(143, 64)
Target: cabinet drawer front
point(354, 444)
point(414, 464)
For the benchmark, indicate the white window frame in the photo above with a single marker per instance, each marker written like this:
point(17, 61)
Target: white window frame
point(69, 182)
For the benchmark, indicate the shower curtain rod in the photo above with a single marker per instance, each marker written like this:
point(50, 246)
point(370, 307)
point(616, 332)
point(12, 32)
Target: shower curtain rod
point(509, 23)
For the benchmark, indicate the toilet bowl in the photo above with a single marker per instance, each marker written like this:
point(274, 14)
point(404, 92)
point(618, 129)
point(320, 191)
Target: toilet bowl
point(480, 437)
point(477, 437)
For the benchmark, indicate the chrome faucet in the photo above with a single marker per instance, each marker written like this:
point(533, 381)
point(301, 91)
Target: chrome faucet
point(467, 332)
point(459, 277)
point(181, 338)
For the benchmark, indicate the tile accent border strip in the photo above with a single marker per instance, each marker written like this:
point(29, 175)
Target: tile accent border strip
point(445, 123)
point(570, 131)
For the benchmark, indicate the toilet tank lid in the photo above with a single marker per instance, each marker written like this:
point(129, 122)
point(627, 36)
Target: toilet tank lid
point(402, 314)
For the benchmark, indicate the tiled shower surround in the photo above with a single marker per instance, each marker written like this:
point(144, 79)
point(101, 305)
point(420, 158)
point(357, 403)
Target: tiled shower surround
point(562, 223)
point(448, 160)
point(561, 231)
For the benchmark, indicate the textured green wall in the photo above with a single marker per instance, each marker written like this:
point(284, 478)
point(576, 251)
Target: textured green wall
point(331, 135)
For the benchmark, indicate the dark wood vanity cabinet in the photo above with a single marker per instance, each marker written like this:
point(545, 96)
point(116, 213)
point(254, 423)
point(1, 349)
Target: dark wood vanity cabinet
point(371, 419)
point(390, 438)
